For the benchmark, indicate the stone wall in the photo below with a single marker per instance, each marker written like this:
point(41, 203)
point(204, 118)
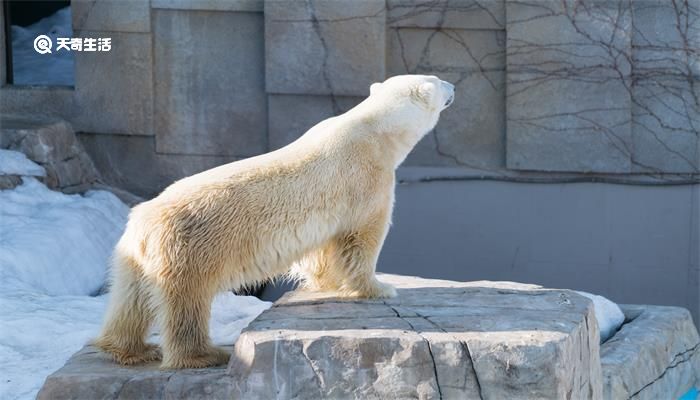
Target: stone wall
point(546, 90)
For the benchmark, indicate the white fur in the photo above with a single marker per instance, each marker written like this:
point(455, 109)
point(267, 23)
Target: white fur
point(320, 206)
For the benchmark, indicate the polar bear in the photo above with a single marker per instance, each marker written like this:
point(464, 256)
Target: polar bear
point(320, 207)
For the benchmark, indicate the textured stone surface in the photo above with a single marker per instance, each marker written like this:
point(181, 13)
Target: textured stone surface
point(120, 158)
point(292, 115)
point(655, 355)
point(54, 101)
point(568, 85)
point(472, 131)
point(212, 5)
point(666, 69)
point(114, 90)
point(464, 14)
point(436, 339)
point(110, 15)
point(324, 47)
point(52, 144)
point(92, 374)
point(210, 96)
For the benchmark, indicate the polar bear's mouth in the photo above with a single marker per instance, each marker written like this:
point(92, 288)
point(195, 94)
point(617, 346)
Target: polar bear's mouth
point(449, 101)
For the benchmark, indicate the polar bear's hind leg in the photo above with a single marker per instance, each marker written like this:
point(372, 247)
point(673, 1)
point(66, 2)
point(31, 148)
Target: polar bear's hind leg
point(184, 311)
point(128, 316)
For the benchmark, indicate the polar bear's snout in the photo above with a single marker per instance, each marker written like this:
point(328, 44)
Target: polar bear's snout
point(449, 90)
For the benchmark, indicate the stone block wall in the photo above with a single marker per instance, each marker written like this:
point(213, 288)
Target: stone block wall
point(546, 90)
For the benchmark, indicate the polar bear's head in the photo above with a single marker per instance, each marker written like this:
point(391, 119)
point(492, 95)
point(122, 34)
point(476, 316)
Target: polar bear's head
point(409, 106)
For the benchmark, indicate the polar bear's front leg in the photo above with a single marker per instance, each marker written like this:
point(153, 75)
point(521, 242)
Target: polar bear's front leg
point(358, 253)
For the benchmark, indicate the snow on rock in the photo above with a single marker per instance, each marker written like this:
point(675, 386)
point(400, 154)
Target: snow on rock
point(16, 163)
point(54, 252)
point(609, 315)
point(32, 68)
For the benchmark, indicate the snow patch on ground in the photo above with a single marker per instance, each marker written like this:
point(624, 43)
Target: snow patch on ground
point(54, 252)
point(32, 68)
point(57, 244)
point(16, 163)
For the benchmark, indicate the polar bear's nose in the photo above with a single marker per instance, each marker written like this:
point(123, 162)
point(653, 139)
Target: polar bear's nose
point(449, 90)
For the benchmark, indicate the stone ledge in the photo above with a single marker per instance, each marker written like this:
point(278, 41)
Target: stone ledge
point(653, 356)
point(437, 339)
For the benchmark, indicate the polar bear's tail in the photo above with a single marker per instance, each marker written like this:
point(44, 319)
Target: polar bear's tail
point(129, 314)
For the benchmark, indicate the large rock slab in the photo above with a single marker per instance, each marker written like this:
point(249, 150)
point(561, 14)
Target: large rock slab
point(655, 355)
point(437, 339)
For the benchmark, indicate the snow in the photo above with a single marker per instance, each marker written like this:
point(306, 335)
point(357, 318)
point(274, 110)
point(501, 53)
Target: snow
point(609, 315)
point(54, 251)
point(32, 68)
point(57, 244)
point(16, 163)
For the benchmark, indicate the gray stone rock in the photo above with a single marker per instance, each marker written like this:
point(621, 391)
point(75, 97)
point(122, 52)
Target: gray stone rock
point(655, 355)
point(114, 89)
point(437, 339)
point(210, 95)
point(52, 144)
point(666, 69)
point(121, 158)
point(292, 115)
point(472, 131)
point(568, 86)
point(9, 182)
point(92, 374)
point(109, 15)
point(324, 47)
point(461, 14)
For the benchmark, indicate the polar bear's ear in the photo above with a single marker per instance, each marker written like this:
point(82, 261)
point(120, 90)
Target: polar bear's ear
point(424, 93)
point(374, 87)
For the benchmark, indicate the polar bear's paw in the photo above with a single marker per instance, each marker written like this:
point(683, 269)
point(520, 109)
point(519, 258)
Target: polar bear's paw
point(371, 290)
point(143, 354)
point(213, 356)
point(382, 291)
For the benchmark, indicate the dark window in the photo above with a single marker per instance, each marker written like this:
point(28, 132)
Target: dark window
point(26, 20)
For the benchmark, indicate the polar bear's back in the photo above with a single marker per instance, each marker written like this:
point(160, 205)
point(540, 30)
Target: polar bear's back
point(254, 219)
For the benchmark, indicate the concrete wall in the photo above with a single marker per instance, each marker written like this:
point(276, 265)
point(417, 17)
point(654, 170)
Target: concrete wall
point(633, 244)
point(548, 92)
point(599, 89)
